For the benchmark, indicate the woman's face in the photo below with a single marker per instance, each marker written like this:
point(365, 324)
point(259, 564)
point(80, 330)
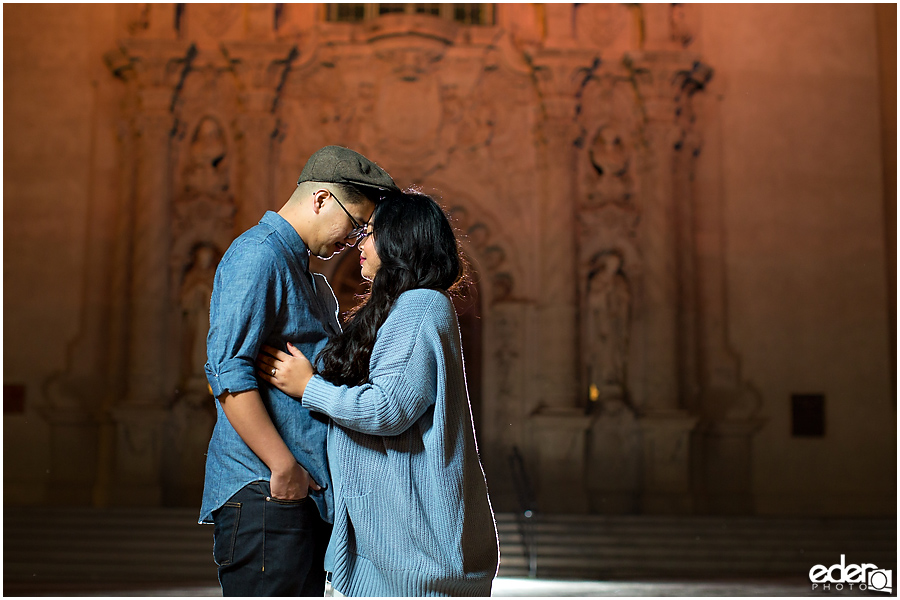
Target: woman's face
point(368, 257)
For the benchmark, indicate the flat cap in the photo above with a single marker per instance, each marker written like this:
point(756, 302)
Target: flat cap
point(336, 164)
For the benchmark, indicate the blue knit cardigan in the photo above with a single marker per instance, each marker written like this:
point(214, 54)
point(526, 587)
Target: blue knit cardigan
point(412, 513)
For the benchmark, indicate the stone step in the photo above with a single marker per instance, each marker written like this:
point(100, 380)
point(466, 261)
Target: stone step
point(602, 547)
point(148, 545)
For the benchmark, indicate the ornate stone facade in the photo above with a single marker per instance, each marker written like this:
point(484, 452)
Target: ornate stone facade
point(566, 167)
point(564, 141)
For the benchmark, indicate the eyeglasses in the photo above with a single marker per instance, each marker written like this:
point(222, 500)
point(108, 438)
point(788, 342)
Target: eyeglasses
point(359, 231)
point(363, 237)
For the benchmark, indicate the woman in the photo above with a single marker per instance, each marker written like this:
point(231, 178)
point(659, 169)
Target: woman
point(412, 513)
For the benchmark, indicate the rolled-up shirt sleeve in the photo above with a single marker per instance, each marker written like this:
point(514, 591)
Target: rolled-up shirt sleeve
point(242, 310)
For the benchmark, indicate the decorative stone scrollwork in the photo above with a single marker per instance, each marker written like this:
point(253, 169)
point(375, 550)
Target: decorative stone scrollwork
point(204, 207)
point(411, 63)
point(207, 171)
point(478, 235)
point(260, 69)
point(681, 23)
point(611, 156)
point(689, 83)
point(503, 286)
point(492, 256)
point(159, 67)
point(476, 127)
point(611, 226)
point(610, 124)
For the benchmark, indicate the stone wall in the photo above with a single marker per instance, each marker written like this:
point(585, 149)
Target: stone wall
point(675, 228)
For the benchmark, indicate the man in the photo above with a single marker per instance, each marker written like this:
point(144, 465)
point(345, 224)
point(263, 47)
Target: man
point(267, 487)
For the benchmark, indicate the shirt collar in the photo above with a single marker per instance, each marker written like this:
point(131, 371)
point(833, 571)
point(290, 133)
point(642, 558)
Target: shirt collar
point(293, 243)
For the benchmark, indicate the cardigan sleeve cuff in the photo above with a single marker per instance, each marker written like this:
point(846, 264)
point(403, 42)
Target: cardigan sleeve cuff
point(317, 393)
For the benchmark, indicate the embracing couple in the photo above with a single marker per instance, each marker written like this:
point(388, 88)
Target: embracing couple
point(348, 452)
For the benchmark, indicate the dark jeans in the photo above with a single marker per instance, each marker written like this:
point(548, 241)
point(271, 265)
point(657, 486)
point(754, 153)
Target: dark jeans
point(269, 547)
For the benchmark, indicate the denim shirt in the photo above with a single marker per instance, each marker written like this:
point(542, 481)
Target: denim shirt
point(263, 294)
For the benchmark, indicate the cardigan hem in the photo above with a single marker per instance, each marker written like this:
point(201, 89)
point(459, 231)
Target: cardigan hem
point(369, 581)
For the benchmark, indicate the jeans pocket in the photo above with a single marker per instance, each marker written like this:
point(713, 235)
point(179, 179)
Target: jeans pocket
point(287, 502)
point(288, 517)
point(226, 521)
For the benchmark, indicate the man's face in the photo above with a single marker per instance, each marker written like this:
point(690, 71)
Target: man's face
point(335, 223)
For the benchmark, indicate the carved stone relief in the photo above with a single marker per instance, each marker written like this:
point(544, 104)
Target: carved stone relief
point(610, 156)
point(610, 278)
point(606, 26)
point(577, 147)
point(406, 112)
point(194, 297)
point(479, 240)
point(192, 415)
point(204, 207)
point(207, 171)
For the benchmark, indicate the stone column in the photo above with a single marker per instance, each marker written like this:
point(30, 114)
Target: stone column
point(159, 67)
point(666, 426)
point(729, 406)
point(658, 234)
point(559, 77)
point(506, 397)
point(560, 425)
point(78, 395)
point(260, 69)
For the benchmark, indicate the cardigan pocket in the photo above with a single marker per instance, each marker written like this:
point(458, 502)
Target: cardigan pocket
point(381, 535)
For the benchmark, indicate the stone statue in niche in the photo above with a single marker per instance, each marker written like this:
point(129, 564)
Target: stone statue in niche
point(204, 207)
point(191, 417)
point(207, 170)
point(194, 301)
point(611, 160)
point(607, 329)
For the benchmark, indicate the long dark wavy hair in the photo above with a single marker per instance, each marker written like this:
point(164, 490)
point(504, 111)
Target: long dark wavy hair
point(418, 249)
